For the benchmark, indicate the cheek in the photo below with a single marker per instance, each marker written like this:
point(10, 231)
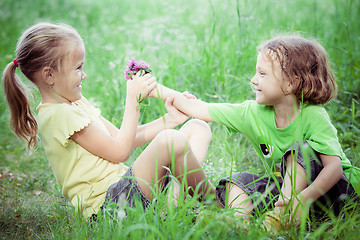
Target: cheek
point(261, 80)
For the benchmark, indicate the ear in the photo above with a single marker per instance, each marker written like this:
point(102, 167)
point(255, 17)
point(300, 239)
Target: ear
point(287, 87)
point(48, 76)
point(294, 83)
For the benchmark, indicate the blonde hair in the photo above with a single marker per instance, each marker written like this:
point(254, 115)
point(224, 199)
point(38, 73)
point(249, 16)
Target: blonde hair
point(304, 63)
point(43, 44)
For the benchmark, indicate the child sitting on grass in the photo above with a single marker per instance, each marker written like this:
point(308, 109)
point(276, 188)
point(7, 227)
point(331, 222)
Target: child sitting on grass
point(86, 152)
point(288, 126)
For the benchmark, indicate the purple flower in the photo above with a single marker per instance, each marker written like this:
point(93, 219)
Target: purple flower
point(134, 66)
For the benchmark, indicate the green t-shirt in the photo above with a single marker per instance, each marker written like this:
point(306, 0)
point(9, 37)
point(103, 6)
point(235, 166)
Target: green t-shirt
point(257, 123)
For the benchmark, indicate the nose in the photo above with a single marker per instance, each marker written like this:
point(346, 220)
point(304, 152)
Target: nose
point(254, 80)
point(83, 75)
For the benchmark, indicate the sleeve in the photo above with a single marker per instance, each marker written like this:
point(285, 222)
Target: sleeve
point(321, 133)
point(83, 102)
point(67, 120)
point(233, 116)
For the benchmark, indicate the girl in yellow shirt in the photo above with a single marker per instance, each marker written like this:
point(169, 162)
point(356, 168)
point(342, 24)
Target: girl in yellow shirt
point(86, 151)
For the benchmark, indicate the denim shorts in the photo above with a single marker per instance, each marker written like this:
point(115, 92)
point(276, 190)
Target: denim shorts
point(126, 190)
point(264, 191)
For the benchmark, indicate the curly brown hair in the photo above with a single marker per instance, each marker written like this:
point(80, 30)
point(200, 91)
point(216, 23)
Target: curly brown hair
point(304, 63)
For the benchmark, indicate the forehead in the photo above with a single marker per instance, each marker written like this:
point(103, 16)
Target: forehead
point(263, 61)
point(267, 61)
point(76, 52)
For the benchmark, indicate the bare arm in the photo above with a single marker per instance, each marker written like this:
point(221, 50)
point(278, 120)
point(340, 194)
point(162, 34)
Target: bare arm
point(328, 177)
point(146, 132)
point(117, 146)
point(191, 107)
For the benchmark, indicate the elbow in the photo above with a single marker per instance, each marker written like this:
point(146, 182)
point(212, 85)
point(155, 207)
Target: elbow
point(121, 158)
point(341, 173)
point(337, 171)
point(116, 156)
point(119, 152)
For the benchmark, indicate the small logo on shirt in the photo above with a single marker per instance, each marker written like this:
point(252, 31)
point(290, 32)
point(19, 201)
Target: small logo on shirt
point(266, 150)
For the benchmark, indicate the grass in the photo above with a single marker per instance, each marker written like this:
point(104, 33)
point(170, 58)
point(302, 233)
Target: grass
point(205, 47)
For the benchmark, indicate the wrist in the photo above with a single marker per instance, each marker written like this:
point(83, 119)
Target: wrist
point(158, 91)
point(155, 92)
point(304, 197)
point(169, 122)
point(132, 101)
point(163, 92)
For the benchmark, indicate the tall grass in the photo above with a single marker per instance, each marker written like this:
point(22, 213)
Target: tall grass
point(205, 47)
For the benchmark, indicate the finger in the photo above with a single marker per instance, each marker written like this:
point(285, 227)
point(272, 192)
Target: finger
point(186, 93)
point(151, 79)
point(147, 75)
point(142, 74)
point(151, 86)
point(281, 203)
point(169, 102)
point(148, 82)
point(171, 99)
point(137, 74)
point(189, 95)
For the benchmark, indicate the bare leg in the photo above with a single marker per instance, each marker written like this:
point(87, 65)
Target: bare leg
point(199, 135)
point(294, 182)
point(239, 200)
point(165, 146)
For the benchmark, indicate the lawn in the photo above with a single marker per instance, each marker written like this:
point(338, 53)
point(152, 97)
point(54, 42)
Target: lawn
point(205, 47)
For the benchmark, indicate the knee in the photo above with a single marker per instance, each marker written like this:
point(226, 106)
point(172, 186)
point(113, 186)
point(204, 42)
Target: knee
point(173, 140)
point(196, 126)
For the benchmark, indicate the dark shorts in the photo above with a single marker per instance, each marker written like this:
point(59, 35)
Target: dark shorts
point(126, 192)
point(265, 191)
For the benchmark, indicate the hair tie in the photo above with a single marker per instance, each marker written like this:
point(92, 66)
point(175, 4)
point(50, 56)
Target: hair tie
point(15, 62)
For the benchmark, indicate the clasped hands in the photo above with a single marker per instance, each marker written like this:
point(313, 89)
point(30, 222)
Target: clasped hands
point(143, 85)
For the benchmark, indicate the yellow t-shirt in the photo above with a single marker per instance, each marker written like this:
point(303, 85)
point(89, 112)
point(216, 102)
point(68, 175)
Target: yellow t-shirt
point(83, 177)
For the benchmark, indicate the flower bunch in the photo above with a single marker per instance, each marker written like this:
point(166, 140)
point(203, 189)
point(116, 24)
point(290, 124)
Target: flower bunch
point(134, 66)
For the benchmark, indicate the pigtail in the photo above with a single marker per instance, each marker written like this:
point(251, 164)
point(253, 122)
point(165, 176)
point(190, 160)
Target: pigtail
point(43, 44)
point(22, 121)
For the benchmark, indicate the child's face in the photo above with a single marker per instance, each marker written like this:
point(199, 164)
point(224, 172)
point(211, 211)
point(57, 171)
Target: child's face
point(268, 81)
point(68, 80)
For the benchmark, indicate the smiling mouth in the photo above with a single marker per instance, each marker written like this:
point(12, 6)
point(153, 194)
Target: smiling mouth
point(254, 89)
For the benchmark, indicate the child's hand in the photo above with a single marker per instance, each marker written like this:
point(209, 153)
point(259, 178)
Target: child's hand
point(189, 95)
point(174, 114)
point(154, 92)
point(140, 86)
point(294, 207)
